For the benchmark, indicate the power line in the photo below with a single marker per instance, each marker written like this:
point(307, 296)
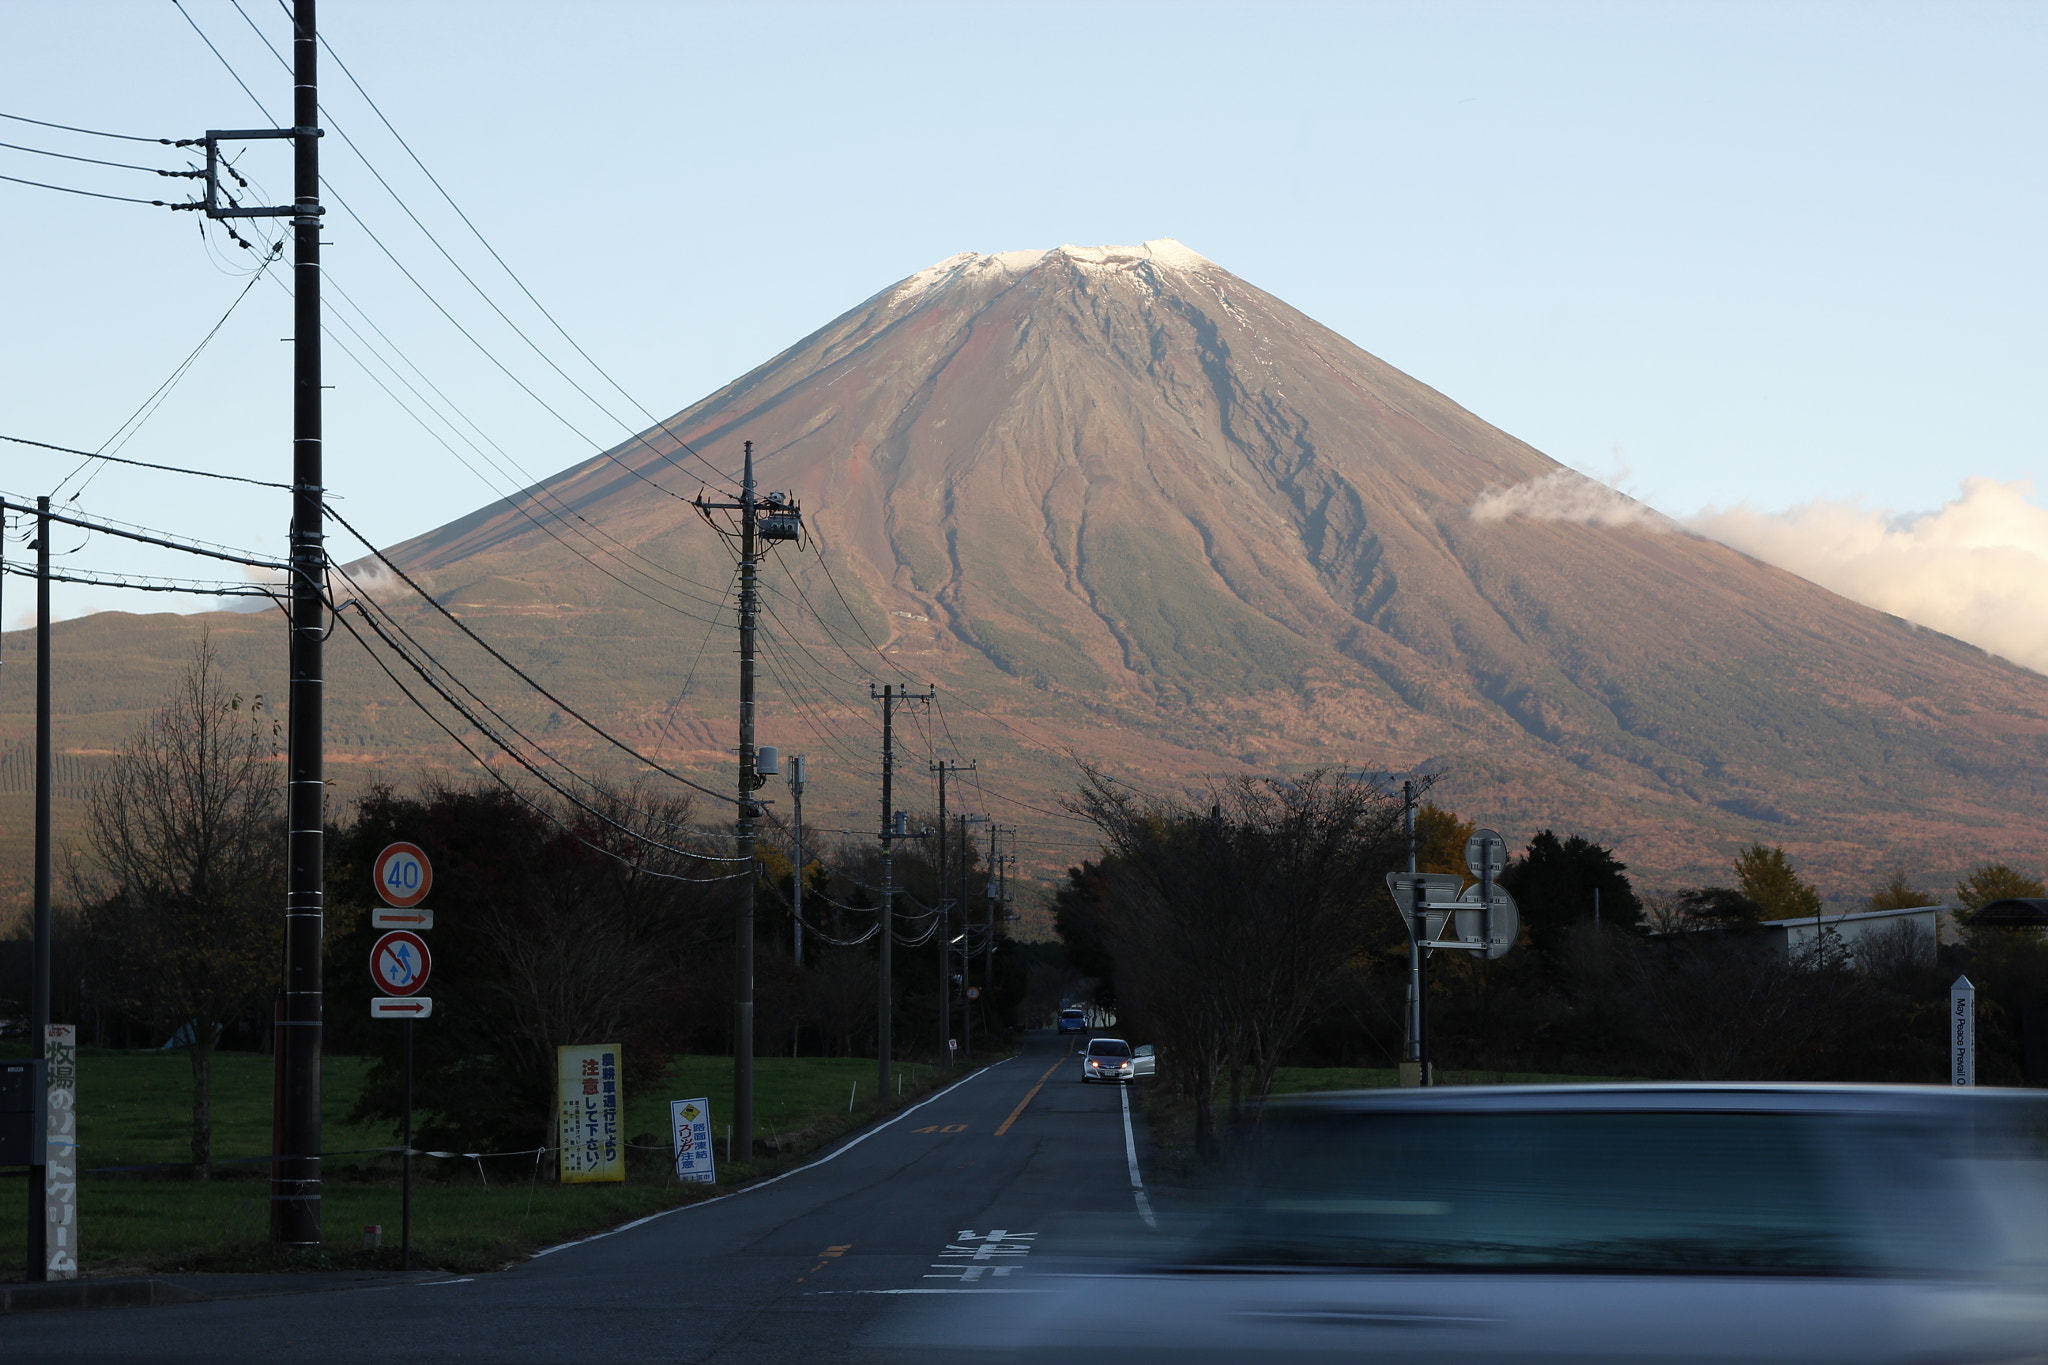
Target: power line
point(95, 194)
point(93, 132)
point(499, 777)
point(95, 161)
point(143, 464)
point(440, 307)
point(518, 672)
point(482, 240)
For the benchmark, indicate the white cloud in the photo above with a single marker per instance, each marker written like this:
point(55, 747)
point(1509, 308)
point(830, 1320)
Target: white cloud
point(1567, 495)
point(1976, 569)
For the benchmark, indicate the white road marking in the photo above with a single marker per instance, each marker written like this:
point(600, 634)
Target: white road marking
point(1131, 1156)
point(764, 1184)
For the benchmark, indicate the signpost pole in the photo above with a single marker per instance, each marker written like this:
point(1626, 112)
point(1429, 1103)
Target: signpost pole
point(1486, 891)
point(405, 1175)
point(1414, 1052)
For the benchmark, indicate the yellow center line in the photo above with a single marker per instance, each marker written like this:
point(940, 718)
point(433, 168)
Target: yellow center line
point(1029, 1097)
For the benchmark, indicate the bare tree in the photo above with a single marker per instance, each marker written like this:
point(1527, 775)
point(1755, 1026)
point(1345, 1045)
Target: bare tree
point(1228, 928)
point(189, 853)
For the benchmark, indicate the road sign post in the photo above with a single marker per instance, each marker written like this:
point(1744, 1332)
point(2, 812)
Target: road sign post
point(400, 965)
point(402, 875)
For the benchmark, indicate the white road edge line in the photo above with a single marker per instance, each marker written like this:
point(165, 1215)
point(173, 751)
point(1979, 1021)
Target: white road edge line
point(1131, 1155)
point(764, 1184)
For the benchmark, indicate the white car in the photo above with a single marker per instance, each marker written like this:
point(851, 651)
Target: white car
point(1827, 1225)
point(1144, 1061)
point(1106, 1059)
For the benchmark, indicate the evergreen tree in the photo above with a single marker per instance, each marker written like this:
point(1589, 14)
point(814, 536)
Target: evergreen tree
point(1554, 881)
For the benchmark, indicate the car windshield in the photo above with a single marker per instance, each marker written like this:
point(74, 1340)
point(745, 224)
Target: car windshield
point(1108, 1047)
point(1639, 1192)
point(1070, 1014)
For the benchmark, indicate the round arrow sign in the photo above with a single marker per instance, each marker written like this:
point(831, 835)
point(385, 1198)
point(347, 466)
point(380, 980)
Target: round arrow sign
point(402, 875)
point(400, 962)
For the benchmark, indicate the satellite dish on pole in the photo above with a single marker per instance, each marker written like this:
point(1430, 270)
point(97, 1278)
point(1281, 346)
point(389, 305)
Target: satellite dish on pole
point(1483, 848)
point(1507, 921)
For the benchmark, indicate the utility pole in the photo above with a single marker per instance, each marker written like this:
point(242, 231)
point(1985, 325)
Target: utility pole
point(998, 911)
point(295, 1190)
point(966, 962)
point(782, 521)
point(945, 915)
point(796, 796)
point(893, 828)
point(38, 1268)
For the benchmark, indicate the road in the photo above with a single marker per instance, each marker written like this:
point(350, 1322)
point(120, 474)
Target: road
point(1018, 1162)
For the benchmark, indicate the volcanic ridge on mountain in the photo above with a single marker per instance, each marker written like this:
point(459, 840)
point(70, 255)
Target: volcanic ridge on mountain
point(1119, 504)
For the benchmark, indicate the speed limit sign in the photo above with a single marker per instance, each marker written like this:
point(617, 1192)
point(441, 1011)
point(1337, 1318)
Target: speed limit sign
point(402, 875)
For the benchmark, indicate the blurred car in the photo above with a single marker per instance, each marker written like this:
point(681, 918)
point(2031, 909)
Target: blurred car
point(1106, 1059)
point(1873, 1225)
point(1143, 1061)
point(1073, 1021)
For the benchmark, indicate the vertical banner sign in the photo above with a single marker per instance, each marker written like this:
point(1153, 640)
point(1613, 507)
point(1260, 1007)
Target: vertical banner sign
point(1962, 1032)
point(690, 1120)
point(588, 1110)
point(60, 1188)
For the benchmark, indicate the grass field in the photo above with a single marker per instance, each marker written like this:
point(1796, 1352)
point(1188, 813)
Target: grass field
point(135, 1109)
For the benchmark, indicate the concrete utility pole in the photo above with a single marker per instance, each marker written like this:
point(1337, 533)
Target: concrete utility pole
point(893, 828)
point(295, 1189)
point(945, 916)
point(966, 962)
point(38, 1268)
point(796, 797)
point(774, 518)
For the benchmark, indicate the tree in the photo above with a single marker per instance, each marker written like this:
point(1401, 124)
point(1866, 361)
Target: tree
point(1554, 882)
point(189, 847)
point(1440, 838)
point(1704, 907)
point(1995, 882)
point(1765, 876)
point(552, 927)
point(1228, 927)
point(1899, 894)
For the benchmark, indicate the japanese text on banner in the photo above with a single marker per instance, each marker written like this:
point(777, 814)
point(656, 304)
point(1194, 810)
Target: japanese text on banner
point(690, 1120)
point(588, 1110)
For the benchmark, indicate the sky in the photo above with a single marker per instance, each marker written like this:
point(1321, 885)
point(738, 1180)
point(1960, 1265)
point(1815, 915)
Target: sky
point(1772, 269)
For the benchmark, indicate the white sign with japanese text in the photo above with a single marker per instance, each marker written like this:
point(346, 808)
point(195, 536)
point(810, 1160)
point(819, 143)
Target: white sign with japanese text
point(589, 1107)
point(60, 1189)
point(690, 1121)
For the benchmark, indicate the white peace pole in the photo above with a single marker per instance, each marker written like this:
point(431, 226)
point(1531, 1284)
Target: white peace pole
point(1962, 1032)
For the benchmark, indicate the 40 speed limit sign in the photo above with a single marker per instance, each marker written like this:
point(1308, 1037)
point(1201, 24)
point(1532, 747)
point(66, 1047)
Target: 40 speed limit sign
point(402, 875)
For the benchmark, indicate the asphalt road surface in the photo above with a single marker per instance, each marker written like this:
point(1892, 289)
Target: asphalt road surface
point(959, 1194)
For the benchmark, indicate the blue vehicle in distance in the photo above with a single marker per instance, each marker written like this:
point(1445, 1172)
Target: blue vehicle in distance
point(1073, 1020)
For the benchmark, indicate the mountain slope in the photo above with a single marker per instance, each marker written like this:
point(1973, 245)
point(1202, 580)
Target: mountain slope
point(1120, 503)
